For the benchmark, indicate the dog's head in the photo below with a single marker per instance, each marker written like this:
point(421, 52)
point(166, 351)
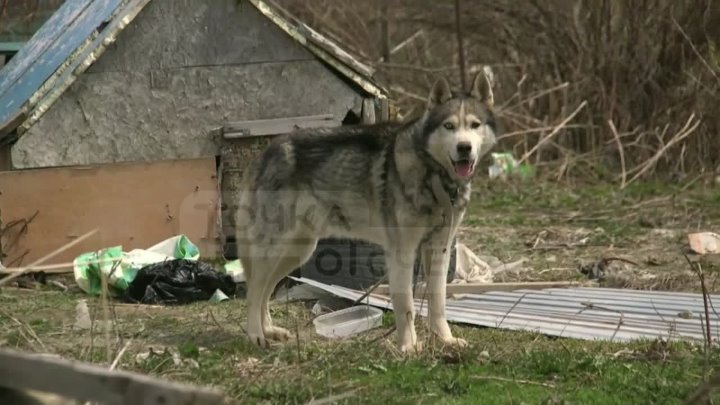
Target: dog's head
point(459, 127)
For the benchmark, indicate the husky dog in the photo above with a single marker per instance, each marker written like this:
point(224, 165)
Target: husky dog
point(403, 186)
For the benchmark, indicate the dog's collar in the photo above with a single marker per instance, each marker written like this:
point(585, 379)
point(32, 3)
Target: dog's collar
point(452, 187)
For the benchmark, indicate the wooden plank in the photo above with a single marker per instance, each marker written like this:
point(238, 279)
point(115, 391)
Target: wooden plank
point(479, 288)
point(59, 268)
point(384, 110)
point(135, 205)
point(368, 111)
point(88, 382)
point(277, 126)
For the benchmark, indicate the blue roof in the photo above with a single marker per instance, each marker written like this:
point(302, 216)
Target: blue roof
point(48, 62)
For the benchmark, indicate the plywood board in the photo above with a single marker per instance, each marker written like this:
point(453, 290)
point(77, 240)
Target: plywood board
point(135, 205)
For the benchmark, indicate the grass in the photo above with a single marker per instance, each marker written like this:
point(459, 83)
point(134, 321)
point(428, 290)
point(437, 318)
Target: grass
point(500, 367)
point(203, 343)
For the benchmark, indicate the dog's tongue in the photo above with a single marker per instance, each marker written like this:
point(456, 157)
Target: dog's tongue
point(463, 169)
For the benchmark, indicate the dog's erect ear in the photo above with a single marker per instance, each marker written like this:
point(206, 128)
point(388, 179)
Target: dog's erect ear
point(482, 88)
point(440, 92)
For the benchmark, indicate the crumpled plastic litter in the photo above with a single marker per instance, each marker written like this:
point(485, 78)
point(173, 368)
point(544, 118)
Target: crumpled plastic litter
point(178, 281)
point(120, 267)
point(472, 268)
point(704, 242)
point(505, 164)
point(234, 268)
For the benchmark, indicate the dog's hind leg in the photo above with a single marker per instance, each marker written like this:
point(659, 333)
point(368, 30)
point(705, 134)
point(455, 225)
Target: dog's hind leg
point(294, 256)
point(256, 281)
point(271, 263)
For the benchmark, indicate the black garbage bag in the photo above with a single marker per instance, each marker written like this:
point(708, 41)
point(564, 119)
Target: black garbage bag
point(178, 281)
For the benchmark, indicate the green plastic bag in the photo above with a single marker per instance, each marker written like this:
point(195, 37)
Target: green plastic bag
point(88, 268)
point(120, 267)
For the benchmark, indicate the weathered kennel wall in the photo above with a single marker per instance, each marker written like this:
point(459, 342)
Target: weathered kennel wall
point(135, 205)
point(180, 70)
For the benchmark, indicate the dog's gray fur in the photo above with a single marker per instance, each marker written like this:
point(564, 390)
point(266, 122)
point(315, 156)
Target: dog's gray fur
point(392, 184)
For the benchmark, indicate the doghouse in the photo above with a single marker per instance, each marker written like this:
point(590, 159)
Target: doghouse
point(138, 82)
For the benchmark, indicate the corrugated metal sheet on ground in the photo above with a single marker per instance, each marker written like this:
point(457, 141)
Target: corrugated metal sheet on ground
point(581, 312)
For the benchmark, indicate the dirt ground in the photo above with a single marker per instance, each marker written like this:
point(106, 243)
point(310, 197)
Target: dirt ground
point(637, 237)
point(558, 229)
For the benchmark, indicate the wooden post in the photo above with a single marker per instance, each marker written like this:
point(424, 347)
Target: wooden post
point(88, 382)
point(384, 110)
point(368, 111)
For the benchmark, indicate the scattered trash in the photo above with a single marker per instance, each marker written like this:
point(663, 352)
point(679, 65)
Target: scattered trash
point(348, 322)
point(504, 165)
point(235, 270)
point(328, 304)
point(120, 267)
point(472, 268)
point(83, 320)
point(299, 292)
point(539, 241)
point(82, 315)
point(219, 296)
point(178, 281)
point(704, 243)
point(58, 284)
point(166, 353)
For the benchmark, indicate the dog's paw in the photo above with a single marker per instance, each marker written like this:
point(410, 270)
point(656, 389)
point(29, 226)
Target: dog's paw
point(409, 348)
point(277, 333)
point(454, 342)
point(259, 340)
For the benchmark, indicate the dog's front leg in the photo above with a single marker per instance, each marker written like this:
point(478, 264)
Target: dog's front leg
point(400, 272)
point(435, 261)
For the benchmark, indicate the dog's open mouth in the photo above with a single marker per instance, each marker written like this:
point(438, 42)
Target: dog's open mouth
point(464, 167)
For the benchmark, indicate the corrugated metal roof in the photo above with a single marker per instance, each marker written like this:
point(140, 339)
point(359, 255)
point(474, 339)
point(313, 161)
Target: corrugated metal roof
point(582, 312)
point(80, 30)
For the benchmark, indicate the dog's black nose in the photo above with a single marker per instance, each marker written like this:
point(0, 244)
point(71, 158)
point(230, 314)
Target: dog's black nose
point(464, 148)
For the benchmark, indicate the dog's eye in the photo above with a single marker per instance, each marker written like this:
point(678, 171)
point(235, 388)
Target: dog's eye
point(449, 126)
point(475, 125)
